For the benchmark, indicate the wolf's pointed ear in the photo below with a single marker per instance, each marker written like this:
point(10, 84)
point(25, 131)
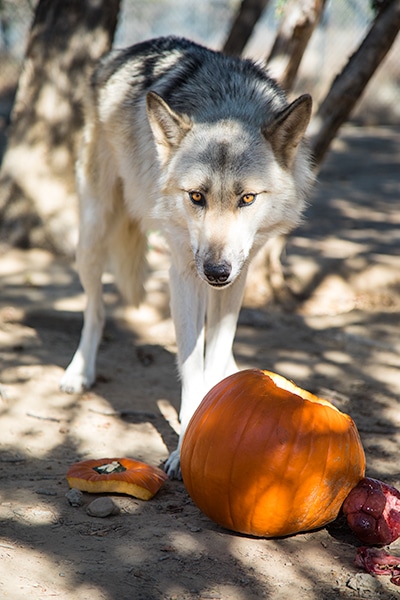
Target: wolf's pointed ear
point(287, 129)
point(167, 126)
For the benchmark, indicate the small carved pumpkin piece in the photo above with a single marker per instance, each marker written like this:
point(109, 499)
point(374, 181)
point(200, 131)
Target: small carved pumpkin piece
point(116, 475)
point(263, 457)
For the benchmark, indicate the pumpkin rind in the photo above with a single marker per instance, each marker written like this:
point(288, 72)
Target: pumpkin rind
point(263, 457)
point(138, 479)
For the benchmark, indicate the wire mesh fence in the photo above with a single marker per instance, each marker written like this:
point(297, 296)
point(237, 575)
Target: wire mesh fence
point(343, 26)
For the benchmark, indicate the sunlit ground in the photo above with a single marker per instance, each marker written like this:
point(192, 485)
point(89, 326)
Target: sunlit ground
point(341, 340)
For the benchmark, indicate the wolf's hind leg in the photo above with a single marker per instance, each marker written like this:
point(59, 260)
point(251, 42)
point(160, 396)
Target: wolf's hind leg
point(80, 373)
point(113, 236)
point(94, 225)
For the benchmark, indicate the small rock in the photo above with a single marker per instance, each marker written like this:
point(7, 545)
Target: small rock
point(74, 497)
point(364, 584)
point(102, 507)
point(45, 492)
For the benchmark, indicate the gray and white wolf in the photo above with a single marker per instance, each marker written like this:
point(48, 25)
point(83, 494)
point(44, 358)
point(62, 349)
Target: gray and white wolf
point(206, 149)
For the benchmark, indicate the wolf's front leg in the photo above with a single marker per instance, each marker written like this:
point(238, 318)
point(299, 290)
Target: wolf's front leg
point(188, 306)
point(223, 308)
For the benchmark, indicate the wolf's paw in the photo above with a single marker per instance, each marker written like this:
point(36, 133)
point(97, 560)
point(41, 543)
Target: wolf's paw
point(75, 383)
point(173, 465)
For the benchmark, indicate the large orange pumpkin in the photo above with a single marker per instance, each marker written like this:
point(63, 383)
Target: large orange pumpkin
point(263, 457)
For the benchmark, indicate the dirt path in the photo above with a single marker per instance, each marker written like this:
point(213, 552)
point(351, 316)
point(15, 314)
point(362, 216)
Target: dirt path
point(341, 341)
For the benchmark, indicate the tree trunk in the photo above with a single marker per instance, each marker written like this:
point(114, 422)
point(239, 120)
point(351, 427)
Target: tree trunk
point(298, 23)
point(246, 18)
point(351, 82)
point(38, 203)
point(333, 112)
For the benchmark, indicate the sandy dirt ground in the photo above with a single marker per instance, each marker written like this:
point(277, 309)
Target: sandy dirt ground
point(340, 340)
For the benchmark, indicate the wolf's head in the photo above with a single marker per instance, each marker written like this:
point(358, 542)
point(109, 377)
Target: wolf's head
point(229, 185)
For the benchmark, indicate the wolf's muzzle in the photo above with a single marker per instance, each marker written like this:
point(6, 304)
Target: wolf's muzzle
point(217, 274)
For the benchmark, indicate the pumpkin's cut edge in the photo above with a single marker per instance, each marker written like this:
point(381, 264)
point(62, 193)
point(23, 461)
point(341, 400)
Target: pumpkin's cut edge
point(110, 486)
point(287, 384)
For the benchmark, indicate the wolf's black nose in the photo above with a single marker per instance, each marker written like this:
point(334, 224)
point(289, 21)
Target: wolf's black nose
point(217, 273)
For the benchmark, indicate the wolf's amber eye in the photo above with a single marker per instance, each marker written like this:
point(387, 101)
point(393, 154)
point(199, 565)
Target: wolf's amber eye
point(247, 199)
point(197, 198)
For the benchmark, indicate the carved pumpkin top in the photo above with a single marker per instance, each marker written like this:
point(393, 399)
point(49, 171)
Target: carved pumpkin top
point(119, 475)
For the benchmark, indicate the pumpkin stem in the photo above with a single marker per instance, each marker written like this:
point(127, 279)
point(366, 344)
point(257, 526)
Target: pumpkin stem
point(114, 467)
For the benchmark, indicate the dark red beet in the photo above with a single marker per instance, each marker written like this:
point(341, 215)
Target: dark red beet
point(373, 512)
